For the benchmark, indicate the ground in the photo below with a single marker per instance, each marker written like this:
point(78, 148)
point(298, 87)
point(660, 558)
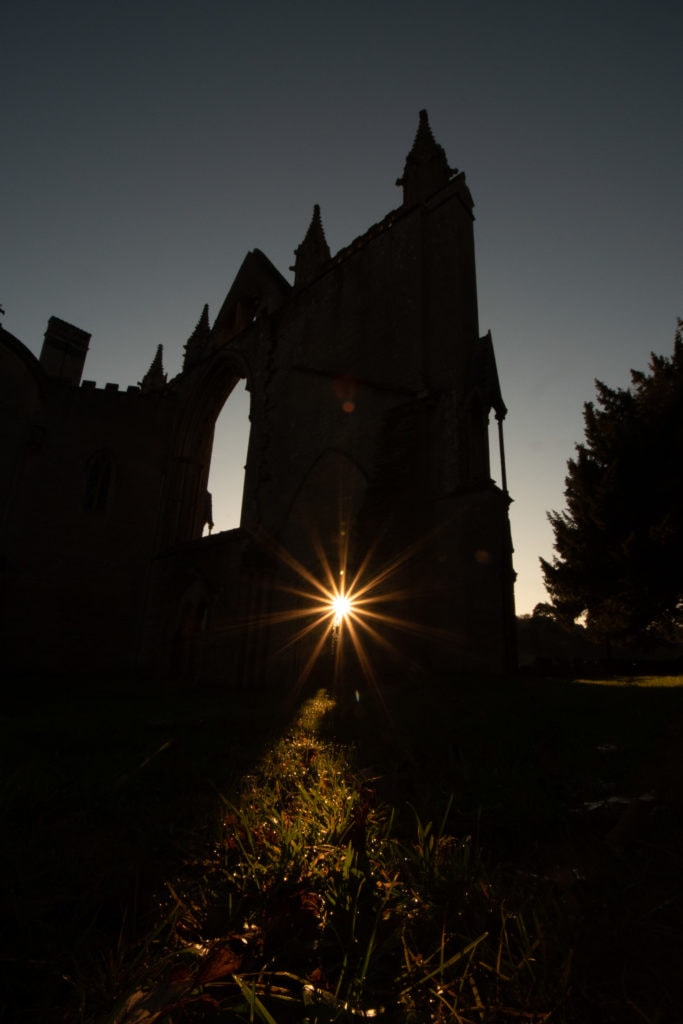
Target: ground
point(565, 795)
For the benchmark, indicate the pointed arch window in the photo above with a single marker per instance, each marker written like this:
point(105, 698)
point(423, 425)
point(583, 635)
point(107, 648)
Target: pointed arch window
point(99, 481)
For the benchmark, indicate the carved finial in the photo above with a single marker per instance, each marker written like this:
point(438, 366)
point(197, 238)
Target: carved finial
point(196, 344)
point(313, 252)
point(424, 137)
point(155, 377)
point(203, 322)
point(426, 169)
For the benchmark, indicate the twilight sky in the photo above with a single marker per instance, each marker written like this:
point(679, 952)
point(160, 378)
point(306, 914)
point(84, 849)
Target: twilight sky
point(147, 146)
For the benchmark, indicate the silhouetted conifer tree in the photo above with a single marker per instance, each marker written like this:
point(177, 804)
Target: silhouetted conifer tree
point(619, 544)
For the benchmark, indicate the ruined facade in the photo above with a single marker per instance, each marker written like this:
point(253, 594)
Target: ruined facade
point(370, 392)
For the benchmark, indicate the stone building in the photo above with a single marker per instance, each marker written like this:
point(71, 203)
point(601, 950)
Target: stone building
point(370, 393)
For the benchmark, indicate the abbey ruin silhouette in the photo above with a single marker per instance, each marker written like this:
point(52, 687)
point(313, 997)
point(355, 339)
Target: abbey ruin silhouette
point(370, 392)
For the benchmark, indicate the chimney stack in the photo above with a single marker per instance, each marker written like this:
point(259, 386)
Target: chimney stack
point(64, 350)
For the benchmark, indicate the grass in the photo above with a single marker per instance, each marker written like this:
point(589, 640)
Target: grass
point(102, 792)
point(330, 911)
point(642, 681)
point(446, 849)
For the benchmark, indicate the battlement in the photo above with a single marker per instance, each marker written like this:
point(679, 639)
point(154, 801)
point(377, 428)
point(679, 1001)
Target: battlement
point(91, 385)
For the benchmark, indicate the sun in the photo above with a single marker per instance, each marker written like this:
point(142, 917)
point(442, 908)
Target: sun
point(336, 612)
point(341, 606)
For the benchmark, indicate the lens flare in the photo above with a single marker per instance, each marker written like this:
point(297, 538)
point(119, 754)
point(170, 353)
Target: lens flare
point(336, 612)
point(341, 606)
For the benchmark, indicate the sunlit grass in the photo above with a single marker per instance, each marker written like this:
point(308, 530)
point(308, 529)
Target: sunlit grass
point(328, 913)
point(652, 682)
point(337, 877)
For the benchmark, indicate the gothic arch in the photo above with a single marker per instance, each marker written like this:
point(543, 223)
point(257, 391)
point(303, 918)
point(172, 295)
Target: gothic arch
point(202, 396)
point(206, 393)
point(323, 511)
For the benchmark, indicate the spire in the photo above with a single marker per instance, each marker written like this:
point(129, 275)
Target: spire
point(426, 169)
point(155, 377)
point(313, 252)
point(197, 343)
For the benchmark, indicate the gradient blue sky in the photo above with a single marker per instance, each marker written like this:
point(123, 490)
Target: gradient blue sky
point(147, 146)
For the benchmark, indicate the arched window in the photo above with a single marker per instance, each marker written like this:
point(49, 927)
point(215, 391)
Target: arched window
point(99, 479)
point(228, 458)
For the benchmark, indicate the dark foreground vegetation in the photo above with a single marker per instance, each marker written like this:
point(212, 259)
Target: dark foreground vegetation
point(438, 850)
